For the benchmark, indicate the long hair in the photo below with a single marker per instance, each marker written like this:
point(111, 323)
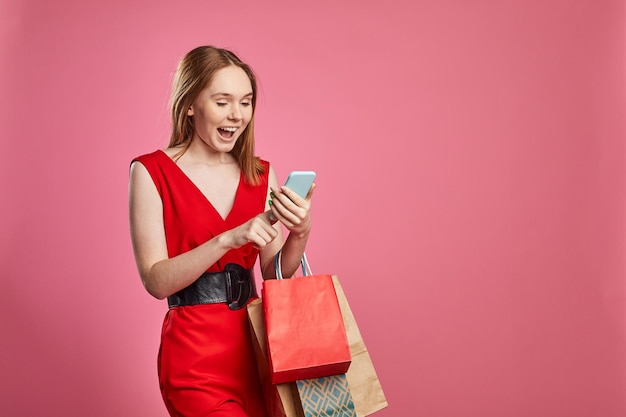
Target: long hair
point(195, 73)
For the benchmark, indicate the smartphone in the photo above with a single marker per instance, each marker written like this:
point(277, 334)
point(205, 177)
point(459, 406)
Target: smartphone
point(300, 182)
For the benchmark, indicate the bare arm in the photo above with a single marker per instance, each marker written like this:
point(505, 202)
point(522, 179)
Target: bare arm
point(294, 213)
point(163, 276)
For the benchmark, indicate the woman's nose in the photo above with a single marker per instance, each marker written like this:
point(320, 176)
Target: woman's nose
point(235, 113)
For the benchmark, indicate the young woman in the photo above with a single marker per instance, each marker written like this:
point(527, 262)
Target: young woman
point(201, 211)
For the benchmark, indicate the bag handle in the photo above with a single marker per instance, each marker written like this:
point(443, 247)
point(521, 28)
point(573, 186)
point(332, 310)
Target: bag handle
point(304, 262)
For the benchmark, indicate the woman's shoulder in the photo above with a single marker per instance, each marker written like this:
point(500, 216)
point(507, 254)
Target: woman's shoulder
point(264, 163)
point(151, 156)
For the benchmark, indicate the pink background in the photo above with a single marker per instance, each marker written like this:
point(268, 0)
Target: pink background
point(470, 195)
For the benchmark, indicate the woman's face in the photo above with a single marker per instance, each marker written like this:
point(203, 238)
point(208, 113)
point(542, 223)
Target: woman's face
point(223, 110)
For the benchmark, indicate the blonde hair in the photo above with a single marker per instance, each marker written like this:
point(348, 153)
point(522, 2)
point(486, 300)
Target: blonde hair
point(195, 73)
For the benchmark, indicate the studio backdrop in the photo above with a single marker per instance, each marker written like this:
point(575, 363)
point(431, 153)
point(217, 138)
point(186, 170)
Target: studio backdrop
point(470, 192)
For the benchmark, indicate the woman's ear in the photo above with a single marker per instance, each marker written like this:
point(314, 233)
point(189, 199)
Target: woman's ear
point(190, 111)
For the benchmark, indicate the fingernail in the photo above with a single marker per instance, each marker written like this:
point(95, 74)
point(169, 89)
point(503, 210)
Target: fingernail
point(270, 202)
point(272, 194)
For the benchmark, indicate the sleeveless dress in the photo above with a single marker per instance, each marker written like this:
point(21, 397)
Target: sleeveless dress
point(206, 363)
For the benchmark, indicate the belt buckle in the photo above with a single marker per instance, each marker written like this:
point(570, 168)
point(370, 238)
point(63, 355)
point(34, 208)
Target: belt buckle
point(237, 286)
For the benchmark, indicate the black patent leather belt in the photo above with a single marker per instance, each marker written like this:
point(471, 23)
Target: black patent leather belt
point(233, 286)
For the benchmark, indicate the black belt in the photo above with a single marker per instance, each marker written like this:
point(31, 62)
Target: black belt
point(233, 286)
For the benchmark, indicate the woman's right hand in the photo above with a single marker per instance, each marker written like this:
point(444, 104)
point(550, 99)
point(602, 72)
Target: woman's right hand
point(258, 231)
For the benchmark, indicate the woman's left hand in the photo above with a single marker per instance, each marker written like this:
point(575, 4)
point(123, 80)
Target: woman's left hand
point(292, 210)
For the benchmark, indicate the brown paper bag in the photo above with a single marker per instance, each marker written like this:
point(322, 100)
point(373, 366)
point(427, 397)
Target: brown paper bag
point(365, 387)
point(281, 400)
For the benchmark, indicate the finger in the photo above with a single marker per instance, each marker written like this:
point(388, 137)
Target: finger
point(288, 213)
point(262, 237)
point(291, 195)
point(286, 196)
point(288, 217)
point(310, 193)
point(284, 204)
point(278, 204)
point(269, 216)
point(265, 228)
point(272, 214)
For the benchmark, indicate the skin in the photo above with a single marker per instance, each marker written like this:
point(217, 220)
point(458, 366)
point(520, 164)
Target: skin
point(226, 102)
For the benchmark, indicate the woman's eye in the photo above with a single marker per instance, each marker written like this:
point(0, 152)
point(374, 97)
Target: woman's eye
point(245, 103)
point(222, 104)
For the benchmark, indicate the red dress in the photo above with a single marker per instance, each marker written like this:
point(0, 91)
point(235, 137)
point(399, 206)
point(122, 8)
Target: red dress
point(206, 363)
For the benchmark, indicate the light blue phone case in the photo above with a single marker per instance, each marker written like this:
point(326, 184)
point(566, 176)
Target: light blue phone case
point(300, 182)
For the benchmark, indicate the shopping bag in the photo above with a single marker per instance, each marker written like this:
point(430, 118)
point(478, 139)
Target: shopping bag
point(281, 400)
point(305, 334)
point(326, 396)
point(365, 387)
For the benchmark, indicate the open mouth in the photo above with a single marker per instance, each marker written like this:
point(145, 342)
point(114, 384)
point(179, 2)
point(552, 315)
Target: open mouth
point(227, 132)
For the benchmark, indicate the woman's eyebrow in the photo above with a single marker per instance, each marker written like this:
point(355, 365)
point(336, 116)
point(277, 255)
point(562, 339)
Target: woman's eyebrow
point(229, 95)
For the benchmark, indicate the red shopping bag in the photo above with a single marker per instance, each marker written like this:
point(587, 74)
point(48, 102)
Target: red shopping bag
point(306, 337)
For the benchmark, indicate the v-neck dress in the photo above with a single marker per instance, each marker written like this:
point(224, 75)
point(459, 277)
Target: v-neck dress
point(206, 363)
